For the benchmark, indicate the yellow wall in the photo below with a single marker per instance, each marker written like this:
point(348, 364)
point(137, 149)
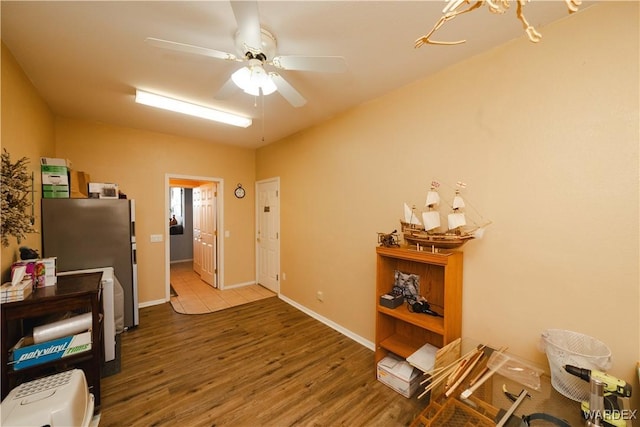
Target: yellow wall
point(545, 136)
point(27, 131)
point(138, 162)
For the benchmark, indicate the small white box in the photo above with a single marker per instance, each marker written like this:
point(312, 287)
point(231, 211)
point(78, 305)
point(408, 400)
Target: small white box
point(399, 375)
point(103, 190)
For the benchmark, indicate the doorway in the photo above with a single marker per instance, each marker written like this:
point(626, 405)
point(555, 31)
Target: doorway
point(208, 213)
point(268, 234)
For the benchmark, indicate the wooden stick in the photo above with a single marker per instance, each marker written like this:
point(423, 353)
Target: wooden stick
point(472, 364)
point(468, 392)
point(435, 381)
point(486, 368)
point(449, 366)
point(445, 372)
point(456, 373)
point(465, 363)
point(439, 376)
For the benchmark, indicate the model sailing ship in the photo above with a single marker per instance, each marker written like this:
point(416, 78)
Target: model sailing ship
point(425, 234)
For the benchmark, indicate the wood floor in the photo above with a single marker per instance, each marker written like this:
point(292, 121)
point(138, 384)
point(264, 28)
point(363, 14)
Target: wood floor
point(263, 363)
point(194, 296)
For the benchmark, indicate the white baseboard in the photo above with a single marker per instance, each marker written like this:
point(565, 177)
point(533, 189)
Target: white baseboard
point(239, 285)
point(180, 260)
point(330, 323)
point(151, 303)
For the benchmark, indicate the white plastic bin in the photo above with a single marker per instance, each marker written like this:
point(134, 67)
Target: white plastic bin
point(572, 348)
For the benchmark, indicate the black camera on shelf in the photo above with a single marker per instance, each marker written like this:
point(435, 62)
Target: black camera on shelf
point(421, 306)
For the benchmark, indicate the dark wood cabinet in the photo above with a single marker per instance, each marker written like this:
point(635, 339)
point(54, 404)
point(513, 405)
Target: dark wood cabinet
point(78, 293)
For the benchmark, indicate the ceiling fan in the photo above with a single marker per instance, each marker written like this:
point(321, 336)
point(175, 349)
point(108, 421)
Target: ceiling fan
point(257, 49)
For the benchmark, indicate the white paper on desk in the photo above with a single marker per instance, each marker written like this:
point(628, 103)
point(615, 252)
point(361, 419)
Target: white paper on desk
point(424, 358)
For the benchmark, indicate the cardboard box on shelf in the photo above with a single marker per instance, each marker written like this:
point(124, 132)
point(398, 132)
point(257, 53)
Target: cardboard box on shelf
point(25, 353)
point(55, 178)
point(399, 375)
point(79, 184)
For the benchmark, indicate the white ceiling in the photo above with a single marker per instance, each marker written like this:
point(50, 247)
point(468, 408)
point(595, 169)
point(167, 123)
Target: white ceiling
point(87, 58)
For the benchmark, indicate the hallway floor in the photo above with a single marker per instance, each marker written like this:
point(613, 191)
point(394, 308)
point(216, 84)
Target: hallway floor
point(197, 297)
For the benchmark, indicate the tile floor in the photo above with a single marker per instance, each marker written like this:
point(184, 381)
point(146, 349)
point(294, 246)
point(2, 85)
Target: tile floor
point(197, 297)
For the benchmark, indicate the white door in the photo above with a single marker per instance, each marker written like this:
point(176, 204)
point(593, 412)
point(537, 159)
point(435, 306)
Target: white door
point(208, 233)
point(197, 243)
point(268, 234)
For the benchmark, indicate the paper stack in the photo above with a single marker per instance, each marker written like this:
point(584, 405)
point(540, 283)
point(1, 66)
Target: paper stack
point(10, 292)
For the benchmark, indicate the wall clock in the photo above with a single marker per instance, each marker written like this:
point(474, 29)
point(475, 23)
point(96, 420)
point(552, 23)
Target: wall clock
point(239, 191)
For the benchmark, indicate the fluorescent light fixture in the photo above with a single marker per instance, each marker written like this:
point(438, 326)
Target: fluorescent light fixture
point(183, 107)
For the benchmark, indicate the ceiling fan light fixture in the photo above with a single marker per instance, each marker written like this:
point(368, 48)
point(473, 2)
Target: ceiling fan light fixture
point(177, 106)
point(254, 78)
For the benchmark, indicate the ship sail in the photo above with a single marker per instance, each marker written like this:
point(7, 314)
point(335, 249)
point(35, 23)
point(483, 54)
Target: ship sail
point(479, 233)
point(458, 202)
point(431, 220)
point(409, 216)
point(433, 198)
point(456, 219)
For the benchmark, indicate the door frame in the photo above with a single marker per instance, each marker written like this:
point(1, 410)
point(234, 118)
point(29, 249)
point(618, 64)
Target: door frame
point(257, 204)
point(219, 226)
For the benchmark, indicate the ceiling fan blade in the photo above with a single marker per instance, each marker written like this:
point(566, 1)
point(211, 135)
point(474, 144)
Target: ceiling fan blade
point(287, 91)
point(227, 90)
point(187, 48)
point(329, 64)
point(248, 20)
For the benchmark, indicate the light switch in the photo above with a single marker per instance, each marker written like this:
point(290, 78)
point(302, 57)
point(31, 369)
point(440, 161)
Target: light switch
point(155, 238)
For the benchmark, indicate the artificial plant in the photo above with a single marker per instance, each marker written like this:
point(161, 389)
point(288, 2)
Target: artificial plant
point(15, 188)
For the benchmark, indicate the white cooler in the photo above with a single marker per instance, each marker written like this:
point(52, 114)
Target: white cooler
point(61, 399)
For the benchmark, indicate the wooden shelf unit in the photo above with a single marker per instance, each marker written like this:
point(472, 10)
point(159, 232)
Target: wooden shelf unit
point(402, 332)
point(73, 293)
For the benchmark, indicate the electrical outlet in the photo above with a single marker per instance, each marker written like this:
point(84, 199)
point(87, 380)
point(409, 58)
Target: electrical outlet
point(284, 276)
point(155, 238)
point(320, 296)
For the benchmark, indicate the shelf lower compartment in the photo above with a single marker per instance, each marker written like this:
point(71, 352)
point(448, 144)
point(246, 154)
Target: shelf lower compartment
point(399, 345)
point(424, 321)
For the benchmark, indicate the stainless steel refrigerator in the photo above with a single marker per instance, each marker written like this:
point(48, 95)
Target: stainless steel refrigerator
point(94, 233)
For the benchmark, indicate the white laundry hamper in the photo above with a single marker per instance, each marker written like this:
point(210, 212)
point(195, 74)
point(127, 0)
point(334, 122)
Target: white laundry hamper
point(564, 347)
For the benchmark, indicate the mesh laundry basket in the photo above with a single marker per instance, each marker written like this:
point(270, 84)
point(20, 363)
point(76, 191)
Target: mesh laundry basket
point(572, 348)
